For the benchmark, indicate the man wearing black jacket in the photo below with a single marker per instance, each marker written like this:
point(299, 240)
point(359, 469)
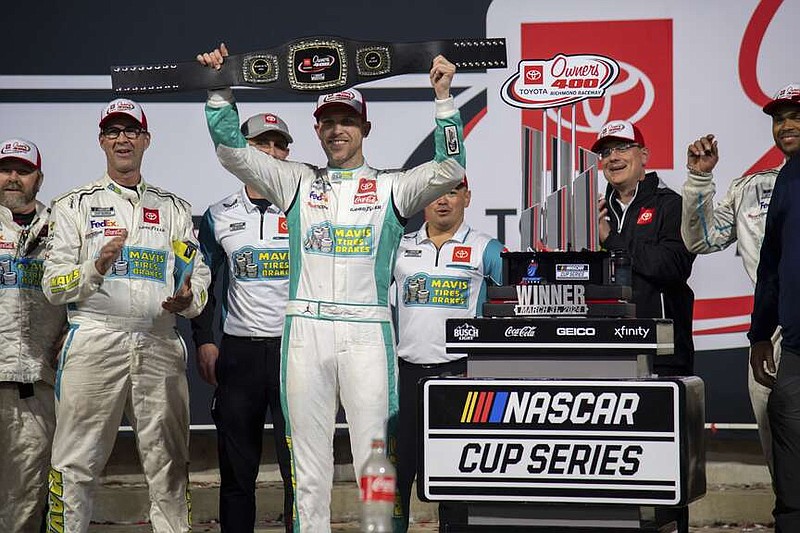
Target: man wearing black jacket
point(641, 216)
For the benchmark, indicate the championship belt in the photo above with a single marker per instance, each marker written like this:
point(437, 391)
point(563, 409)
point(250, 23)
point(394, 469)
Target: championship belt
point(315, 64)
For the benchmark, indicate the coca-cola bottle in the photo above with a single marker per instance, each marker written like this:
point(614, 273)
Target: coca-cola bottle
point(377, 491)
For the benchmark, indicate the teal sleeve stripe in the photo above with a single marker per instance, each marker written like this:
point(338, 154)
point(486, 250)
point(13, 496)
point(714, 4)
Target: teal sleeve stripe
point(386, 254)
point(492, 262)
point(223, 125)
point(210, 248)
point(456, 151)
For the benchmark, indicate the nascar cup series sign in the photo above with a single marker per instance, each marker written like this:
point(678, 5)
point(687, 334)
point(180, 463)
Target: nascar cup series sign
point(567, 441)
point(559, 81)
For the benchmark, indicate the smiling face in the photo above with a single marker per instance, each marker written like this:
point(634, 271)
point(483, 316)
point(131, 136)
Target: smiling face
point(19, 183)
point(786, 129)
point(624, 165)
point(341, 132)
point(123, 154)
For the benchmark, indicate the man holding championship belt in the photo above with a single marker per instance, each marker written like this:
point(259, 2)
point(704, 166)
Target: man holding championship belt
point(345, 223)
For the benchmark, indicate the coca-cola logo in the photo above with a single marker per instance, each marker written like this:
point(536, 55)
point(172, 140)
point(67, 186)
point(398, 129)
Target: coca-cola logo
point(377, 488)
point(524, 331)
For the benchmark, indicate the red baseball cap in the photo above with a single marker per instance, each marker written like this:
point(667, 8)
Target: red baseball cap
point(620, 130)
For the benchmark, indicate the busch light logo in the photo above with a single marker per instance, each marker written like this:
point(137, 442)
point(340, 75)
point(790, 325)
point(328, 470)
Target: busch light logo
point(559, 81)
point(466, 332)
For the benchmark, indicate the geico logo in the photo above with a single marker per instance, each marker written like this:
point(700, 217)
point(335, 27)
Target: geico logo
point(575, 332)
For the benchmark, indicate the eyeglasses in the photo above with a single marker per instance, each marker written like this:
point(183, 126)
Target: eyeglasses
point(620, 149)
point(130, 132)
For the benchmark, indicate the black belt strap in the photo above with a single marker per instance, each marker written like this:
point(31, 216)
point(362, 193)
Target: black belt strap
point(25, 390)
point(314, 64)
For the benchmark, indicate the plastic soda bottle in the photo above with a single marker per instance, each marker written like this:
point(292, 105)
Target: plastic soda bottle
point(377, 491)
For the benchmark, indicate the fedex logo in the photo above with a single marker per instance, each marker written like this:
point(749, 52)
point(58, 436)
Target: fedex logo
point(104, 223)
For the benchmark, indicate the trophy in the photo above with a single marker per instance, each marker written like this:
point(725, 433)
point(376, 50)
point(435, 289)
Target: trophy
point(563, 271)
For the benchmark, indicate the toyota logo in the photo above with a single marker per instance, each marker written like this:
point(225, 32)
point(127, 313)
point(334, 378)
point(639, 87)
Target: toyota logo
point(533, 75)
point(461, 254)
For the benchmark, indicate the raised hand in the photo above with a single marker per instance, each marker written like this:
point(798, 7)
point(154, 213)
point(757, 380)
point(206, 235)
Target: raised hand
point(702, 155)
point(215, 58)
point(441, 75)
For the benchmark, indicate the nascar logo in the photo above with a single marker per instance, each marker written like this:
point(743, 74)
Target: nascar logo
point(543, 407)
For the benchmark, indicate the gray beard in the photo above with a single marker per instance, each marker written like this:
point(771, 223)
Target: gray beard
point(15, 201)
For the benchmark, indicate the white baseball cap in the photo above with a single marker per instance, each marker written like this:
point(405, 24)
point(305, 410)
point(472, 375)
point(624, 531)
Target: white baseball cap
point(124, 107)
point(350, 98)
point(620, 130)
point(21, 150)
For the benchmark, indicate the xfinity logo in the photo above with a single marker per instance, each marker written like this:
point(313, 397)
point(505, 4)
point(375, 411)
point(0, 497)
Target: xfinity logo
point(576, 332)
point(625, 331)
point(524, 331)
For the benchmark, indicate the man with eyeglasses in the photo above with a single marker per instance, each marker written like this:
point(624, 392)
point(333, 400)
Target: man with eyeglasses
point(740, 217)
point(112, 259)
point(345, 222)
point(245, 242)
point(641, 217)
point(31, 330)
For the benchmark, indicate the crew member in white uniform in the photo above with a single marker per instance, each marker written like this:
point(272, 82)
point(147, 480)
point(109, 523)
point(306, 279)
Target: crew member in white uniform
point(345, 222)
point(111, 258)
point(740, 217)
point(442, 272)
point(31, 330)
point(245, 242)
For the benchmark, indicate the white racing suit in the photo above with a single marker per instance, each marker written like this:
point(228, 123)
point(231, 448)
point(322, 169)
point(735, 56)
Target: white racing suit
point(30, 330)
point(344, 228)
point(740, 217)
point(123, 352)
